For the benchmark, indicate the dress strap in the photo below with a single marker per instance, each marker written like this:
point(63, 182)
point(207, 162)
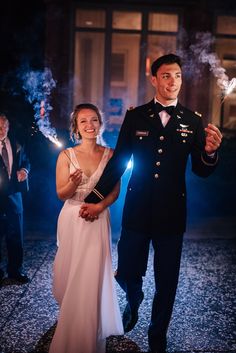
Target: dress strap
point(106, 152)
point(105, 157)
point(73, 160)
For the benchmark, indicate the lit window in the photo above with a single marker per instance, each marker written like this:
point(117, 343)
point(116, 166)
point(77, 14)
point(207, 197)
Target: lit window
point(89, 55)
point(226, 24)
point(118, 67)
point(90, 18)
point(163, 22)
point(127, 20)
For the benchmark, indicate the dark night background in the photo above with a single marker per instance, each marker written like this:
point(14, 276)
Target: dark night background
point(204, 315)
point(211, 202)
point(22, 29)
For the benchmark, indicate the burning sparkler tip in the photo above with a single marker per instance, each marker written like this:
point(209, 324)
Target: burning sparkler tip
point(58, 143)
point(55, 140)
point(231, 86)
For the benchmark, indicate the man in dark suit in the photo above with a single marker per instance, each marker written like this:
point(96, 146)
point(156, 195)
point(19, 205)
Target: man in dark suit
point(14, 169)
point(160, 136)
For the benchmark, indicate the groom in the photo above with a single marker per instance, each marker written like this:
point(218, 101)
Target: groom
point(160, 135)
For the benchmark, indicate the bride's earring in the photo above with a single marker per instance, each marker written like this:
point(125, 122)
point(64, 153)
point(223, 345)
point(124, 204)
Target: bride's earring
point(76, 135)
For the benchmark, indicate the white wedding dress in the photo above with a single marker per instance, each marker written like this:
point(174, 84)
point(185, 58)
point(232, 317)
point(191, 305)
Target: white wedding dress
point(83, 280)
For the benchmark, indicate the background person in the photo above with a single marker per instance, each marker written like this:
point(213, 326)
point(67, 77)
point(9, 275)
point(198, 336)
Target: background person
point(14, 169)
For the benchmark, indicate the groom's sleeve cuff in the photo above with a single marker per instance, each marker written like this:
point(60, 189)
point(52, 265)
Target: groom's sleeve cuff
point(94, 197)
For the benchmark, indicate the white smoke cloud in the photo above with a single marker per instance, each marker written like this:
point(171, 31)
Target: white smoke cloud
point(38, 86)
point(200, 52)
point(202, 49)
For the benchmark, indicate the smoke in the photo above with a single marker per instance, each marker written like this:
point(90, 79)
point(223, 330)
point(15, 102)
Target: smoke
point(200, 52)
point(37, 86)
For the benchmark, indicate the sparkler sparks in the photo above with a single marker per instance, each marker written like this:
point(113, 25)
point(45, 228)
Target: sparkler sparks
point(38, 86)
point(54, 140)
point(230, 87)
point(200, 52)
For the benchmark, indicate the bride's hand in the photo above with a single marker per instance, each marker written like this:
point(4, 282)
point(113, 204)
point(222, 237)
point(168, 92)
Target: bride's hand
point(90, 211)
point(76, 177)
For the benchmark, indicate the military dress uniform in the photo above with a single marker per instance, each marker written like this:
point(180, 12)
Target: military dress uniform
point(155, 203)
point(11, 207)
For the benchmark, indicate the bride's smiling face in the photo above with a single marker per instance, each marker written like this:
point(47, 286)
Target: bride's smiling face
point(88, 124)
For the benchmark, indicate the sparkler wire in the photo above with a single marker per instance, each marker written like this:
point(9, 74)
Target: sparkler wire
point(70, 159)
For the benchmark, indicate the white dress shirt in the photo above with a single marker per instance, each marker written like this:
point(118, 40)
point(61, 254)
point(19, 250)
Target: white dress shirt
point(164, 116)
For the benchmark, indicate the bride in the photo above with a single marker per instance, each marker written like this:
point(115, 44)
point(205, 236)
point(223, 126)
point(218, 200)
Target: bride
point(83, 281)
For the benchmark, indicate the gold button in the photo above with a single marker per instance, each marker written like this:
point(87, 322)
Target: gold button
point(140, 138)
point(183, 194)
point(184, 141)
point(158, 163)
point(162, 138)
point(156, 176)
point(160, 150)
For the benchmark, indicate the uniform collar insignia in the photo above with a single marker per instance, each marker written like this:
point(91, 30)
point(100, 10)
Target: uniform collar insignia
point(151, 113)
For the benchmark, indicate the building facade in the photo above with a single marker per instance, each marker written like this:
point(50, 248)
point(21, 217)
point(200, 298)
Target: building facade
point(101, 52)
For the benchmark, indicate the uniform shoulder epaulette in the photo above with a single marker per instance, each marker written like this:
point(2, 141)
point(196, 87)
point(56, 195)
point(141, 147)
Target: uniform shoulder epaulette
point(199, 114)
point(131, 107)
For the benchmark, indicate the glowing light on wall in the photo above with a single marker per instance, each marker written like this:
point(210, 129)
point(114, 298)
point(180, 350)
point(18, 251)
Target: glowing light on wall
point(148, 65)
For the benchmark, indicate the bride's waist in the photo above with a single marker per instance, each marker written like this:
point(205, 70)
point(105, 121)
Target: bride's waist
point(78, 197)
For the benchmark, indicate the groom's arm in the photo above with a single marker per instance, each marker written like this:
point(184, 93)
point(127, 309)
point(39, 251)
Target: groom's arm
point(116, 165)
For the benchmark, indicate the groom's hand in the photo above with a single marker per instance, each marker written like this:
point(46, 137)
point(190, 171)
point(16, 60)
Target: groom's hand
point(90, 211)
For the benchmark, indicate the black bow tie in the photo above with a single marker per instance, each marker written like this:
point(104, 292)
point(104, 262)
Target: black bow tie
point(159, 108)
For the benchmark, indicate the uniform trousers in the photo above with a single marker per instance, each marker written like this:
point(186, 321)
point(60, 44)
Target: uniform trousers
point(133, 251)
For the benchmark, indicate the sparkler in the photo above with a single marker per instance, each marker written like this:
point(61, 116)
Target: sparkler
point(44, 127)
point(38, 86)
point(54, 140)
point(199, 52)
point(228, 87)
point(70, 160)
